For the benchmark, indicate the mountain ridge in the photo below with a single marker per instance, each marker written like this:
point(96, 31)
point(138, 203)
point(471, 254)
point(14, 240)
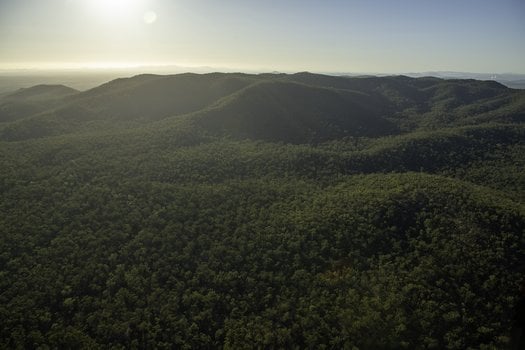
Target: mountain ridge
point(42, 91)
point(139, 100)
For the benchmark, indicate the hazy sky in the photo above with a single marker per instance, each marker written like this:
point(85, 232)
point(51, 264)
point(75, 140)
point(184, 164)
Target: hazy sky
point(387, 36)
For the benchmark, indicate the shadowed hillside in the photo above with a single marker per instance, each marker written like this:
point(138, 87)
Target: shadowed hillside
point(294, 108)
point(296, 113)
point(29, 101)
point(41, 92)
point(152, 97)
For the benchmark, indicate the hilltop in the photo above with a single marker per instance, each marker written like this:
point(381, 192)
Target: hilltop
point(41, 92)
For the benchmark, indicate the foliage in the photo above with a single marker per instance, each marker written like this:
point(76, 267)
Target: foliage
point(175, 232)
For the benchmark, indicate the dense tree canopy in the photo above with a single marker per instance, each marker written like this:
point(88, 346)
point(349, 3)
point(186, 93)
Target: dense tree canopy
point(207, 228)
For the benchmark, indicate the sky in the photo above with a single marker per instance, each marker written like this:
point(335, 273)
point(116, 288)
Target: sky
point(360, 36)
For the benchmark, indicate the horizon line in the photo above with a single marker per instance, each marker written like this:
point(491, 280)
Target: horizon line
point(141, 68)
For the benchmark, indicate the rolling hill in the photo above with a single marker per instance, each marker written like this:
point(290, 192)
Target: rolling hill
point(29, 101)
point(262, 211)
point(265, 105)
point(297, 113)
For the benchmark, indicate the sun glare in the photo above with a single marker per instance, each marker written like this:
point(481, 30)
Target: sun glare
point(121, 10)
point(113, 6)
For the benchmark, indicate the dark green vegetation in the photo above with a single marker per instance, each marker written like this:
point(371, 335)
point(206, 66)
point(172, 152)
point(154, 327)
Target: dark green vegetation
point(242, 211)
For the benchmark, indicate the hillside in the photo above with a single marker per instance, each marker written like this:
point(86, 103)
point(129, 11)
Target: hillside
point(291, 112)
point(41, 92)
point(153, 97)
point(29, 101)
point(126, 102)
point(263, 211)
point(367, 106)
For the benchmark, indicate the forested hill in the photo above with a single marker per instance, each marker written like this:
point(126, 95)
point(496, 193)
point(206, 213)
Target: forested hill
point(262, 211)
point(297, 108)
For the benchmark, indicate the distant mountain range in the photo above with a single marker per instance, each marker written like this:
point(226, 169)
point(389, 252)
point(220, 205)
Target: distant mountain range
point(83, 79)
point(515, 81)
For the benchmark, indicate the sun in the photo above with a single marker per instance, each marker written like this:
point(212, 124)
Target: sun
point(115, 9)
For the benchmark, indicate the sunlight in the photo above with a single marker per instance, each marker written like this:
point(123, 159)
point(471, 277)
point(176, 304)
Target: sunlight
point(115, 9)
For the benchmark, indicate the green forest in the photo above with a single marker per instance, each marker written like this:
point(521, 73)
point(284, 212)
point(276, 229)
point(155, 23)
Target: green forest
point(238, 211)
